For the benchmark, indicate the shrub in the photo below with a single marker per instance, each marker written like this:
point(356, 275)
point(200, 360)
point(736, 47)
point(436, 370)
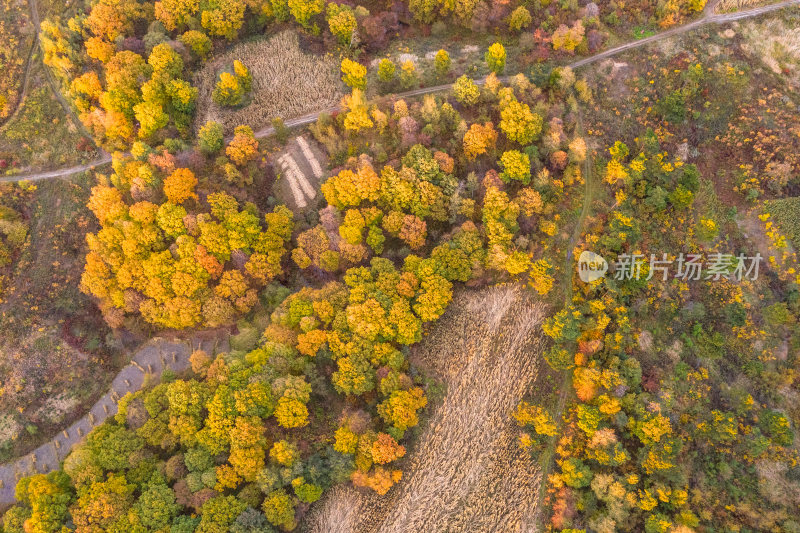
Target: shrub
point(281, 131)
point(408, 75)
point(228, 92)
point(304, 10)
point(243, 147)
point(568, 38)
point(342, 22)
point(243, 75)
point(232, 88)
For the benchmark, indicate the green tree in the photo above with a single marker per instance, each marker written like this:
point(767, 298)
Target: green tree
point(112, 445)
point(466, 91)
point(575, 473)
point(516, 166)
point(156, 506)
point(386, 70)
point(210, 138)
point(279, 509)
point(48, 497)
point(442, 63)
point(496, 58)
point(219, 513)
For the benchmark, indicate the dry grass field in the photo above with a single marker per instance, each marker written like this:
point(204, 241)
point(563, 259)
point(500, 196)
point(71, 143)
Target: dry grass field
point(728, 6)
point(287, 82)
point(776, 43)
point(466, 472)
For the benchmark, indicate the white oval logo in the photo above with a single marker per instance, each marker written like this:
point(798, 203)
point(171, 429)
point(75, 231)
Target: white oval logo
point(591, 266)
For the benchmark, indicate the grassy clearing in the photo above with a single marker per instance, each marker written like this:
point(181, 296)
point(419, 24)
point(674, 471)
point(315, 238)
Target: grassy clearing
point(728, 6)
point(786, 213)
point(41, 136)
point(776, 41)
point(466, 472)
point(16, 38)
point(287, 82)
point(54, 357)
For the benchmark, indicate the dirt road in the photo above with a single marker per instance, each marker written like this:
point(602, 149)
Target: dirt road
point(709, 17)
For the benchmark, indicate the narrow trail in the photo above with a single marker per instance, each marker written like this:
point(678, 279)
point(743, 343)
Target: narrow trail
point(566, 391)
point(59, 173)
point(709, 17)
point(147, 364)
point(54, 87)
point(25, 82)
point(72, 116)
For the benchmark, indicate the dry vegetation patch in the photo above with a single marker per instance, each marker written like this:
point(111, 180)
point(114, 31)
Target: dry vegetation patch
point(343, 510)
point(287, 82)
point(777, 44)
point(466, 473)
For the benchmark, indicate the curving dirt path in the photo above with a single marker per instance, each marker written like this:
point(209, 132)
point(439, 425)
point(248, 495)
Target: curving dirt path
point(58, 173)
point(709, 17)
point(54, 87)
point(147, 364)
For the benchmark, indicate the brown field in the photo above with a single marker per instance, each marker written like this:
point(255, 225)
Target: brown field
point(287, 82)
point(465, 472)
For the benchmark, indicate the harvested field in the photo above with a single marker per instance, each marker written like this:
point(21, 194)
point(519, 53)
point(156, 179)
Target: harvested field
point(287, 82)
point(466, 472)
point(343, 510)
